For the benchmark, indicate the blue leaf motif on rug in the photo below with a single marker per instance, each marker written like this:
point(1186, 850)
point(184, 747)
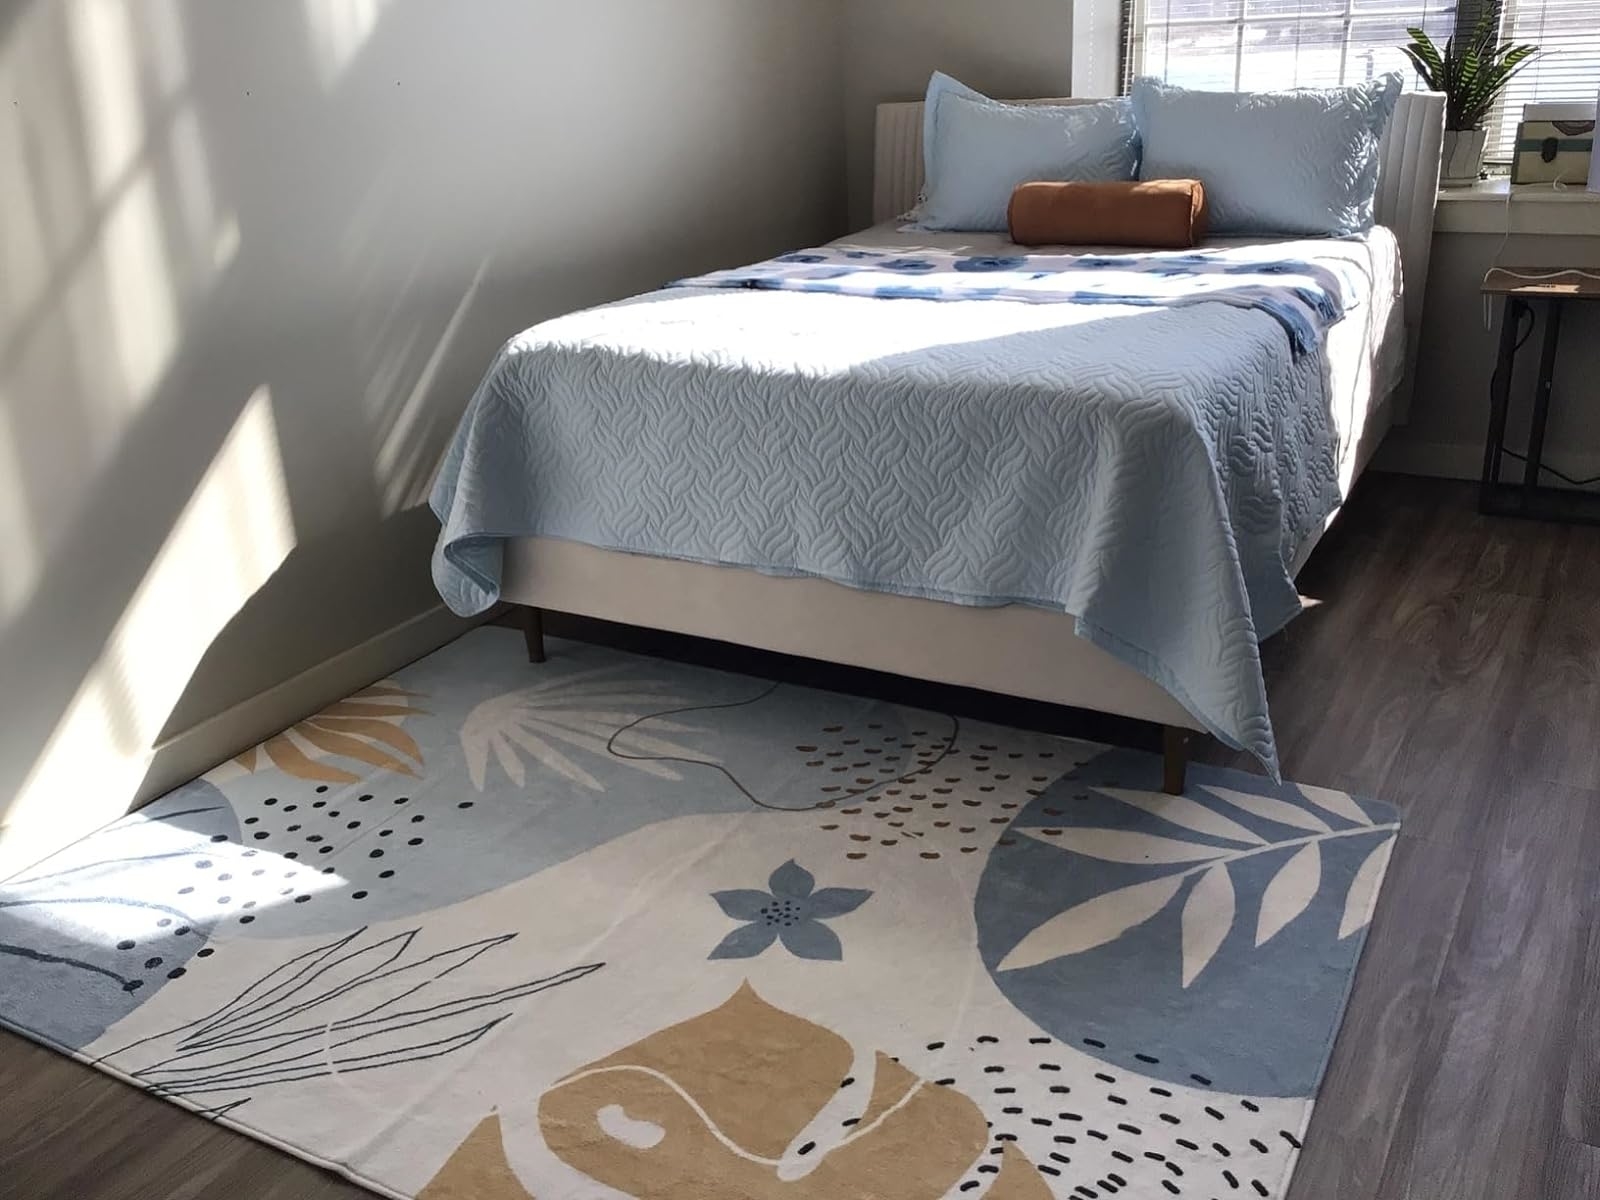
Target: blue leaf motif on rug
point(792, 912)
point(1206, 938)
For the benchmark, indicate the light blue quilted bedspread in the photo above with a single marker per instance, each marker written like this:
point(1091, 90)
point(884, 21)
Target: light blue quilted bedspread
point(1149, 470)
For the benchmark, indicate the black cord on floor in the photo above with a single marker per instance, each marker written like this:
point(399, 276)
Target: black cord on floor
point(1565, 478)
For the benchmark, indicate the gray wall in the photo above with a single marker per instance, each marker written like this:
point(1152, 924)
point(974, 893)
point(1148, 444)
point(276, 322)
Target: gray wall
point(1010, 49)
point(254, 257)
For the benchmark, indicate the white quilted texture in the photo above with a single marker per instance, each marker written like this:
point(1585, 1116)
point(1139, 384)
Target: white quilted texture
point(1149, 471)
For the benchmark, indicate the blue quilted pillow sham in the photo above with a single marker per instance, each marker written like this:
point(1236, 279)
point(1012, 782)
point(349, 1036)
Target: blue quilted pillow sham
point(1302, 162)
point(976, 151)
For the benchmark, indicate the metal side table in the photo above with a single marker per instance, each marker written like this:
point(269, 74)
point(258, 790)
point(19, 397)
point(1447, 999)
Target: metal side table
point(1522, 288)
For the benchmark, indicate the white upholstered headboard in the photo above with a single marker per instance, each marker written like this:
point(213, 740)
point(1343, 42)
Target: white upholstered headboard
point(1408, 179)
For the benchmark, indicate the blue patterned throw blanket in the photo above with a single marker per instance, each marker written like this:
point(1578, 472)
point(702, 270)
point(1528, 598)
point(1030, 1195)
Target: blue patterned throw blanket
point(1305, 298)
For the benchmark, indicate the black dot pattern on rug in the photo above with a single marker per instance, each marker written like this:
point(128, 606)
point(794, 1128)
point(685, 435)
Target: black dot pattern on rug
point(354, 848)
point(1121, 1136)
point(917, 788)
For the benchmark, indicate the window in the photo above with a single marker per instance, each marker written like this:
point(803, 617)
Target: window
point(1568, 33)
point(1266, 45)
point(1262, 45)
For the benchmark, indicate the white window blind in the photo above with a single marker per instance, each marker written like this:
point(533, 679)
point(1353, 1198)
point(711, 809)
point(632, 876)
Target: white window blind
point(1269, 45)
point(1568, 34)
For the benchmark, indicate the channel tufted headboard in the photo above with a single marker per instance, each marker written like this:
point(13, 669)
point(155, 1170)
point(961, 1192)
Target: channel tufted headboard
point(1408, 181)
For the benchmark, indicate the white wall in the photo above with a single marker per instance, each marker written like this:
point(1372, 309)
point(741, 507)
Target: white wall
point(1450, 408)
point(1010, 49)
point(253, 258)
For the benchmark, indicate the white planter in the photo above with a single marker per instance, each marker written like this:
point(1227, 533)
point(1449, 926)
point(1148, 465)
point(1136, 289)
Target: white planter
point(1463, 157)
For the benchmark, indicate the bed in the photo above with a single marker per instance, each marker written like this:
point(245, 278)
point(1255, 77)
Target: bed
point(1131, 490)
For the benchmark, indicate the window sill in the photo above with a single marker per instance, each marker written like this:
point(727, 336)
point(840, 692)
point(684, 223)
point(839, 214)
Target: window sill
point(1489, 206)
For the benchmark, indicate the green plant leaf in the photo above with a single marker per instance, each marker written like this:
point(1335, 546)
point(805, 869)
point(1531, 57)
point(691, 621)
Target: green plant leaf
point(1424, 56)
point(1472, 73)
point(1424, 72)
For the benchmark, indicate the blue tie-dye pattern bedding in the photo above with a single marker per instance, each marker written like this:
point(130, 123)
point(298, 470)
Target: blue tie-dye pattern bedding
point(1149, 470)
point(1306, 298)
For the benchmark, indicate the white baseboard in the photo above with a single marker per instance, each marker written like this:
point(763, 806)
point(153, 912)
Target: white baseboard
point(193, 752)
point(189, 754)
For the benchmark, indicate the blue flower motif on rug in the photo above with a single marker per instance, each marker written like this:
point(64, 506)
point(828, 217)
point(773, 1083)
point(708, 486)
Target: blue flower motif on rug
point(907, 264)
point(800, 258)
point(792, 912)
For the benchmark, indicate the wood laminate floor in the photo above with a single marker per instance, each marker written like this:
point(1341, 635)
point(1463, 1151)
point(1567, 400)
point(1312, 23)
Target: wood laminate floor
point(1452, 667)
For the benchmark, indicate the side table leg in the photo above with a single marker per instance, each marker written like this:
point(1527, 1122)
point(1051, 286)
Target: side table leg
point(1541, 397)
point(1499, 400)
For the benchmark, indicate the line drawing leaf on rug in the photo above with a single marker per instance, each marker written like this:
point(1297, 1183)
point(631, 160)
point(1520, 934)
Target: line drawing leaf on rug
point(575, 712)
point(1180, 810)
point(1363, 890)
point(1207, 918)
point(1126, 846)
point(1093, 923)
point(1279, 811)
point(1290, 893)
point(340, 1008)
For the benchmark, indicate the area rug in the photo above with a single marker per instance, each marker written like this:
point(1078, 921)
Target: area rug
point(612, 926)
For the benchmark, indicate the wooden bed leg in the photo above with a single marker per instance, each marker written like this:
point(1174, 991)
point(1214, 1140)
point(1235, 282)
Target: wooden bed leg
point(533, 633)
point(1174, 759)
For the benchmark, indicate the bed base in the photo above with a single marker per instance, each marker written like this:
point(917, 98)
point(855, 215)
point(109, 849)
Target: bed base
point(1176, 741)
point(1014, 650)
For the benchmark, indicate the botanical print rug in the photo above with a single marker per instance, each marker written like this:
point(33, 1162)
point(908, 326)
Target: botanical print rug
point(611, 926)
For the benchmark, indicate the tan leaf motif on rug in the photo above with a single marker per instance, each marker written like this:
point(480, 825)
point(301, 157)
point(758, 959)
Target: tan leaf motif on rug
point(478, 1169)
point(365, 728)
point(728, 1093)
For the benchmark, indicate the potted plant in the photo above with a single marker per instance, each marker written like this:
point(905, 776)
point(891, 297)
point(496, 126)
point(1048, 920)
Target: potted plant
point(1471, 74)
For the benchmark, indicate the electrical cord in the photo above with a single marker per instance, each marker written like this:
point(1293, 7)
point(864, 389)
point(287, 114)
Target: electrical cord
point(1527, 314)
point(1561, 475)
point(1557, 185)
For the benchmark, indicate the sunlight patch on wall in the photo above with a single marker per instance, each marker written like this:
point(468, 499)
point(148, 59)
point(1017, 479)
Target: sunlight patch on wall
point(212, 238)
point(139, 288)
point(231, 537)
point(106, 63)
point(338, 30)
point(19, 554)
point(405, 458)
point(112, 233)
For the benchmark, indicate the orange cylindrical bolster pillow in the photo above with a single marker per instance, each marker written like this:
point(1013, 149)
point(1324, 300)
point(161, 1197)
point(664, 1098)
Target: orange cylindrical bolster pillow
point(1163, 213)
